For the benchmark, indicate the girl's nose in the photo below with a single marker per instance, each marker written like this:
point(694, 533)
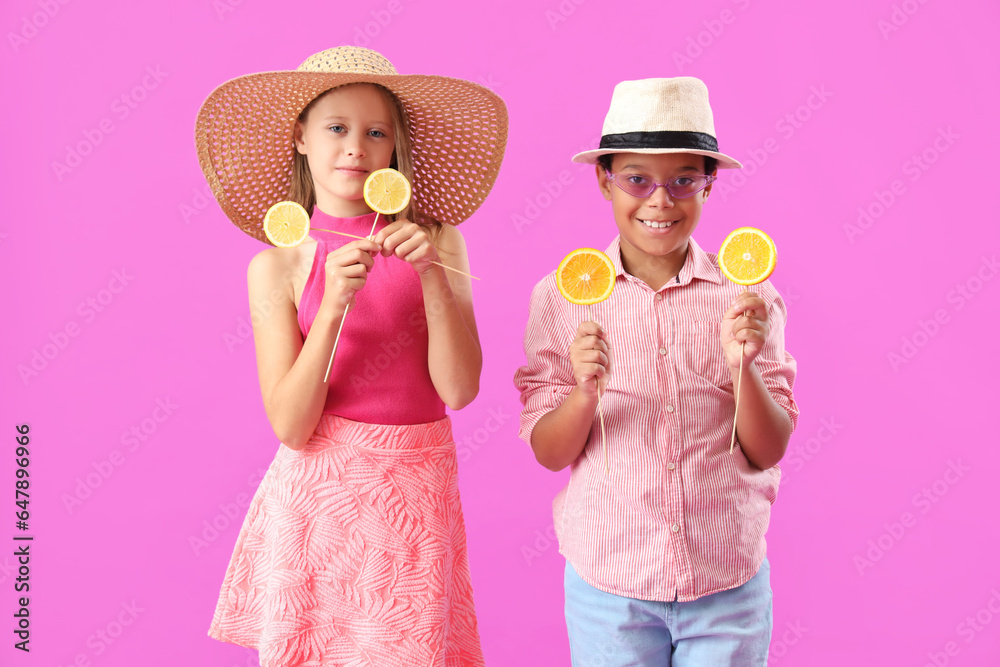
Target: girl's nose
point(354, 148)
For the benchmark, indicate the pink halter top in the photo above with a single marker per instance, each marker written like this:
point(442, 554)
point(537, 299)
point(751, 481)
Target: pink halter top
point(380, 373)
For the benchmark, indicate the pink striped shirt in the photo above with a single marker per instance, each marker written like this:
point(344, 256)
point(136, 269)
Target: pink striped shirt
point(678, 517)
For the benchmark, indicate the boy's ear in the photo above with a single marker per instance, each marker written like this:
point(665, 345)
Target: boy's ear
point(708, 189)
point(602, 181)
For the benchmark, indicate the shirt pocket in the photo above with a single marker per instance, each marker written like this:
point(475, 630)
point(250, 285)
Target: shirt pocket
point(701, 351)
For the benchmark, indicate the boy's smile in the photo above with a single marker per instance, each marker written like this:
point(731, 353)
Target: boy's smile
point(655, 229)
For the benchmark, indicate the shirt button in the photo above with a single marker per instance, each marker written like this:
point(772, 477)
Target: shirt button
point(671, 466)
point(675, 528)
point(659, 297)
point(663, 350)
point(670, 408)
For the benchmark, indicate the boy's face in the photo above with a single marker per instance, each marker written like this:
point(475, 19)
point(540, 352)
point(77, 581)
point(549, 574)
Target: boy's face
point(639, 220)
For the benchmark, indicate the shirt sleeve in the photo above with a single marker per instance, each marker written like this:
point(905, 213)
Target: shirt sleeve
point(777, 367)
point(547, 378)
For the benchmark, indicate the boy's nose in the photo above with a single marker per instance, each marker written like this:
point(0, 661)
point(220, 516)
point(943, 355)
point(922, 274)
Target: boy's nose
point(660, 197)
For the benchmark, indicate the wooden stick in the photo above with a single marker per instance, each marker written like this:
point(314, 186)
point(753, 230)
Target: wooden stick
point(443, 266)
point(600, 409)
point(739, 383)
point(343, 317)
point(336, 340)
point(371, 234)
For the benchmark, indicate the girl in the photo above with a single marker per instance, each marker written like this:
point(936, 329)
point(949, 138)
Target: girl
point(353, 548)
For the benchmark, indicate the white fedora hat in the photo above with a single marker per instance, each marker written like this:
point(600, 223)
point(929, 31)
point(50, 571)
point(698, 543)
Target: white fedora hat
point(660, 116)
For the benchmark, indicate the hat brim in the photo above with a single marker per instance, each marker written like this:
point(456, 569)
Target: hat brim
point(244, 131)
point(590, 157)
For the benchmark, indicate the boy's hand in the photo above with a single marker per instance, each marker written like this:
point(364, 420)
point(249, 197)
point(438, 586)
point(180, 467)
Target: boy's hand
point(745, 321)
point(589, 356)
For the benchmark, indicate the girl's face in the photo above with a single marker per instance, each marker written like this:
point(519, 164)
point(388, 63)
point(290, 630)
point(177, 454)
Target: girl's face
point(347, 134)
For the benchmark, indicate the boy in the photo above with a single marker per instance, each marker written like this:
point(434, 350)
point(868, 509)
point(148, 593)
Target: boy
point(666, 558)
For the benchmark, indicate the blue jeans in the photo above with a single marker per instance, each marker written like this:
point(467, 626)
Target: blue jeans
point(726, 628)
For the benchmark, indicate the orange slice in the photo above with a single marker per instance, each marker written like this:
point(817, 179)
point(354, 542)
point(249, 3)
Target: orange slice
point(747, 256)
point(586, 276)
point(387, 191)
point(286, 224)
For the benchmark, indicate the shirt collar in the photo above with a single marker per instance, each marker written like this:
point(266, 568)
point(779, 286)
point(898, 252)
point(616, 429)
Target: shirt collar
point(697, 264)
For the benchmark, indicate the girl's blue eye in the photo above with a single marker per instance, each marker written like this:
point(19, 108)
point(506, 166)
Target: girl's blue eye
point(378, 134)
point(337, 128)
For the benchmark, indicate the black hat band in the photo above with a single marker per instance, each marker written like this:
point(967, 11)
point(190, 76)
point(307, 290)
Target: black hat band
point(664, 139)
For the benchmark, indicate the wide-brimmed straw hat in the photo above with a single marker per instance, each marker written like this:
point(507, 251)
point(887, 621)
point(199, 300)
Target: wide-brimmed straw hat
point(458, 130)
point(659, 116)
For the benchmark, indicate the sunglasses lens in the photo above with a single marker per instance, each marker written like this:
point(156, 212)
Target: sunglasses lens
point(685, 186)
point(635, 185)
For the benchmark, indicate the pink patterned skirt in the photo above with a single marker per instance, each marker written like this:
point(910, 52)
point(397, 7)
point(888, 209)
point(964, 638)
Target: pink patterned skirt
point(353, 553)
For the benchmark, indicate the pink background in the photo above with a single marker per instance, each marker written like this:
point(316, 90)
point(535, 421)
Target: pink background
point(866, 477)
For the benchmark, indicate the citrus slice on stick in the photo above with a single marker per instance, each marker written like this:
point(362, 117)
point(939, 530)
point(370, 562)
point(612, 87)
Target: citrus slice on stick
point(747, 256)
point(586, 276)
point(286, 224)
point(387, 191)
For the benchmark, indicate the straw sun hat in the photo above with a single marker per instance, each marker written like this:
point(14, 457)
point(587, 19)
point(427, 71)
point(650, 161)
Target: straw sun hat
point(659, 116)
point(458, 131)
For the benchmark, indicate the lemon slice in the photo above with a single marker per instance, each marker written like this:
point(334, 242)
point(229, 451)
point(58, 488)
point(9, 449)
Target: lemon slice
point(286, 224)
point(387, 191)
point(586, 276)
point(748, 256)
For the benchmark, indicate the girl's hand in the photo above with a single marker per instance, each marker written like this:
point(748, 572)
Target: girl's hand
point(745, 321)
point(410, 242)
point(589, 356)
point(347, 270)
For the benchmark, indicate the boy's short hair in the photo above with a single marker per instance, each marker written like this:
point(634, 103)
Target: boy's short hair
point(606, 159)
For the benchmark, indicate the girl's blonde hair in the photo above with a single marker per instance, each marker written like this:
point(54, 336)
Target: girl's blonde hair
point(302, 190)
